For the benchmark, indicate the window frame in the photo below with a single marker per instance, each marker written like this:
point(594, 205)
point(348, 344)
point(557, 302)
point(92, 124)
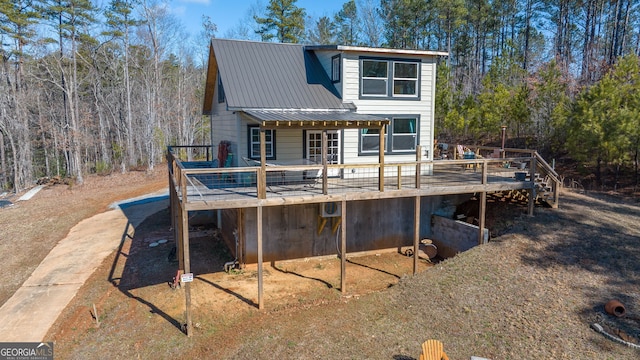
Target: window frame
point(363, 78)
point(269, 145)
point(389, 136)
point(336, 64)
point(390, 79)
point(394, 78)
point(221, 95)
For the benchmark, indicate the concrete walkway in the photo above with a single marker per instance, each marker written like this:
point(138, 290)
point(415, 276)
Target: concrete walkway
point(32, 310)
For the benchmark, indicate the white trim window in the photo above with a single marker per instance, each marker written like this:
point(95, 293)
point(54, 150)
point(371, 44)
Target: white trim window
point(335, 68)
point(254, 143)
point(375, 75)
point(404, 135)
point(401, 136)
point(383, 78)
point(369, 143)
point(405, 79)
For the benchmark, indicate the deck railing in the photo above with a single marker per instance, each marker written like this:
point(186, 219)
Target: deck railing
point(201, 179)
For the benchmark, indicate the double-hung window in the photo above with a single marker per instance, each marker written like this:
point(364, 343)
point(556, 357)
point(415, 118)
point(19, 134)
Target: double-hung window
point(405, 79)
point(375, 77)
point(380, 78)
point(254, 143)
point(404, 134)
point(401, 136)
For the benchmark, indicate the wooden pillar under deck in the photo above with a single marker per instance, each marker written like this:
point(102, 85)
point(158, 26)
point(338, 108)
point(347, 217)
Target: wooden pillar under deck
point(416, 233)
point(187, 267)
point(482, 212)
point(343, 247)
point(260, 273)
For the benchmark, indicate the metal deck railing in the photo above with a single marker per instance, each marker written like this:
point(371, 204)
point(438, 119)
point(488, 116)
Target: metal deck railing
point(199, 179)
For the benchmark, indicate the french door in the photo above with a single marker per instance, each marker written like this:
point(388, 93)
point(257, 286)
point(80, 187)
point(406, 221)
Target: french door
point(314, 149)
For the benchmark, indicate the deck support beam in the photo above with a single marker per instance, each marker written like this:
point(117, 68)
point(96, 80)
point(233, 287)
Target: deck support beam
point(416, 233)
point(187, 268)
point(260, 273)
point(343, 247)
point(482, 212)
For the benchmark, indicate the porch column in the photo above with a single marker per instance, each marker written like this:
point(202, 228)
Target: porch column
point(262, 175)
point(324, 151)
point(381, 159)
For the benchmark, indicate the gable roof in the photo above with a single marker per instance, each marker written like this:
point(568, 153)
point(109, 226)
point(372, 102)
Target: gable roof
point(257, 75)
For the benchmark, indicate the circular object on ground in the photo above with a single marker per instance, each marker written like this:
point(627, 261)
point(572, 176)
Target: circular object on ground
point(615, 308)
point(153, 244)
point(429, 249)
point(162, 241)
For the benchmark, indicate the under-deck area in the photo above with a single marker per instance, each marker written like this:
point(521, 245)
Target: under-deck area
point(376, 205)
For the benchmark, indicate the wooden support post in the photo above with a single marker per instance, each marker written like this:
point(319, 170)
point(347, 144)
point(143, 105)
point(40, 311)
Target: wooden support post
point(179, 236)
point(240, 255)
point(481, 218)
point(556, 194)
point(483, 206)
point(260, 274)
point(262, 174)
point(343, 248)
point(325, 168)
point(187, 268)
point(532, 191)
point(416, 233)
point(418, 165)
point(381, 136)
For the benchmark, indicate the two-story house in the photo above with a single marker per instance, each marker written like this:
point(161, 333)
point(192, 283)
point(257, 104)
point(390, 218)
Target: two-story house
point(325, 150)
point(249, 83)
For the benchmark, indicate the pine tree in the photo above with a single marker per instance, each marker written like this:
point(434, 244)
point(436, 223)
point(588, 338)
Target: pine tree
point(283, 17)
point(347, 24)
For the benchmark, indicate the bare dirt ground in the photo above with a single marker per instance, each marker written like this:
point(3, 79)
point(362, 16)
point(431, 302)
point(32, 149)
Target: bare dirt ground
point(531, 293)
point(30, 229)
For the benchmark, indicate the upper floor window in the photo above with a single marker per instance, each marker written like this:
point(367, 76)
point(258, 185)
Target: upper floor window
point(389, 78)
point(335, 68)
point(220, 89)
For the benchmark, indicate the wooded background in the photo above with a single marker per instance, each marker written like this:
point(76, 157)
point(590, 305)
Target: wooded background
point(86, 89)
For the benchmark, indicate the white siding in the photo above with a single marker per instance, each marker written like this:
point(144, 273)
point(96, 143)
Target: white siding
point(289, 145)
point(422, 107)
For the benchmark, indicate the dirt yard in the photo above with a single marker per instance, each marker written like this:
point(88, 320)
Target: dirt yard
point(531, 293)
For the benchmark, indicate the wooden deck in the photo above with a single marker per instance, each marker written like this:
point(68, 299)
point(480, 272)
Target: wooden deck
point(223, 188)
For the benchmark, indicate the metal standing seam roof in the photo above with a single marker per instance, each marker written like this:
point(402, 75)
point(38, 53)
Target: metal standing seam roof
point(273, 75)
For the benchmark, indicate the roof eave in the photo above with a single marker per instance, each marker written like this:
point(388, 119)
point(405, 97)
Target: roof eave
point(376, 50)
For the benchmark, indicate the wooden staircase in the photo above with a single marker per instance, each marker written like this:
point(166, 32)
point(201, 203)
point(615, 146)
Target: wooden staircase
point(546, 184)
